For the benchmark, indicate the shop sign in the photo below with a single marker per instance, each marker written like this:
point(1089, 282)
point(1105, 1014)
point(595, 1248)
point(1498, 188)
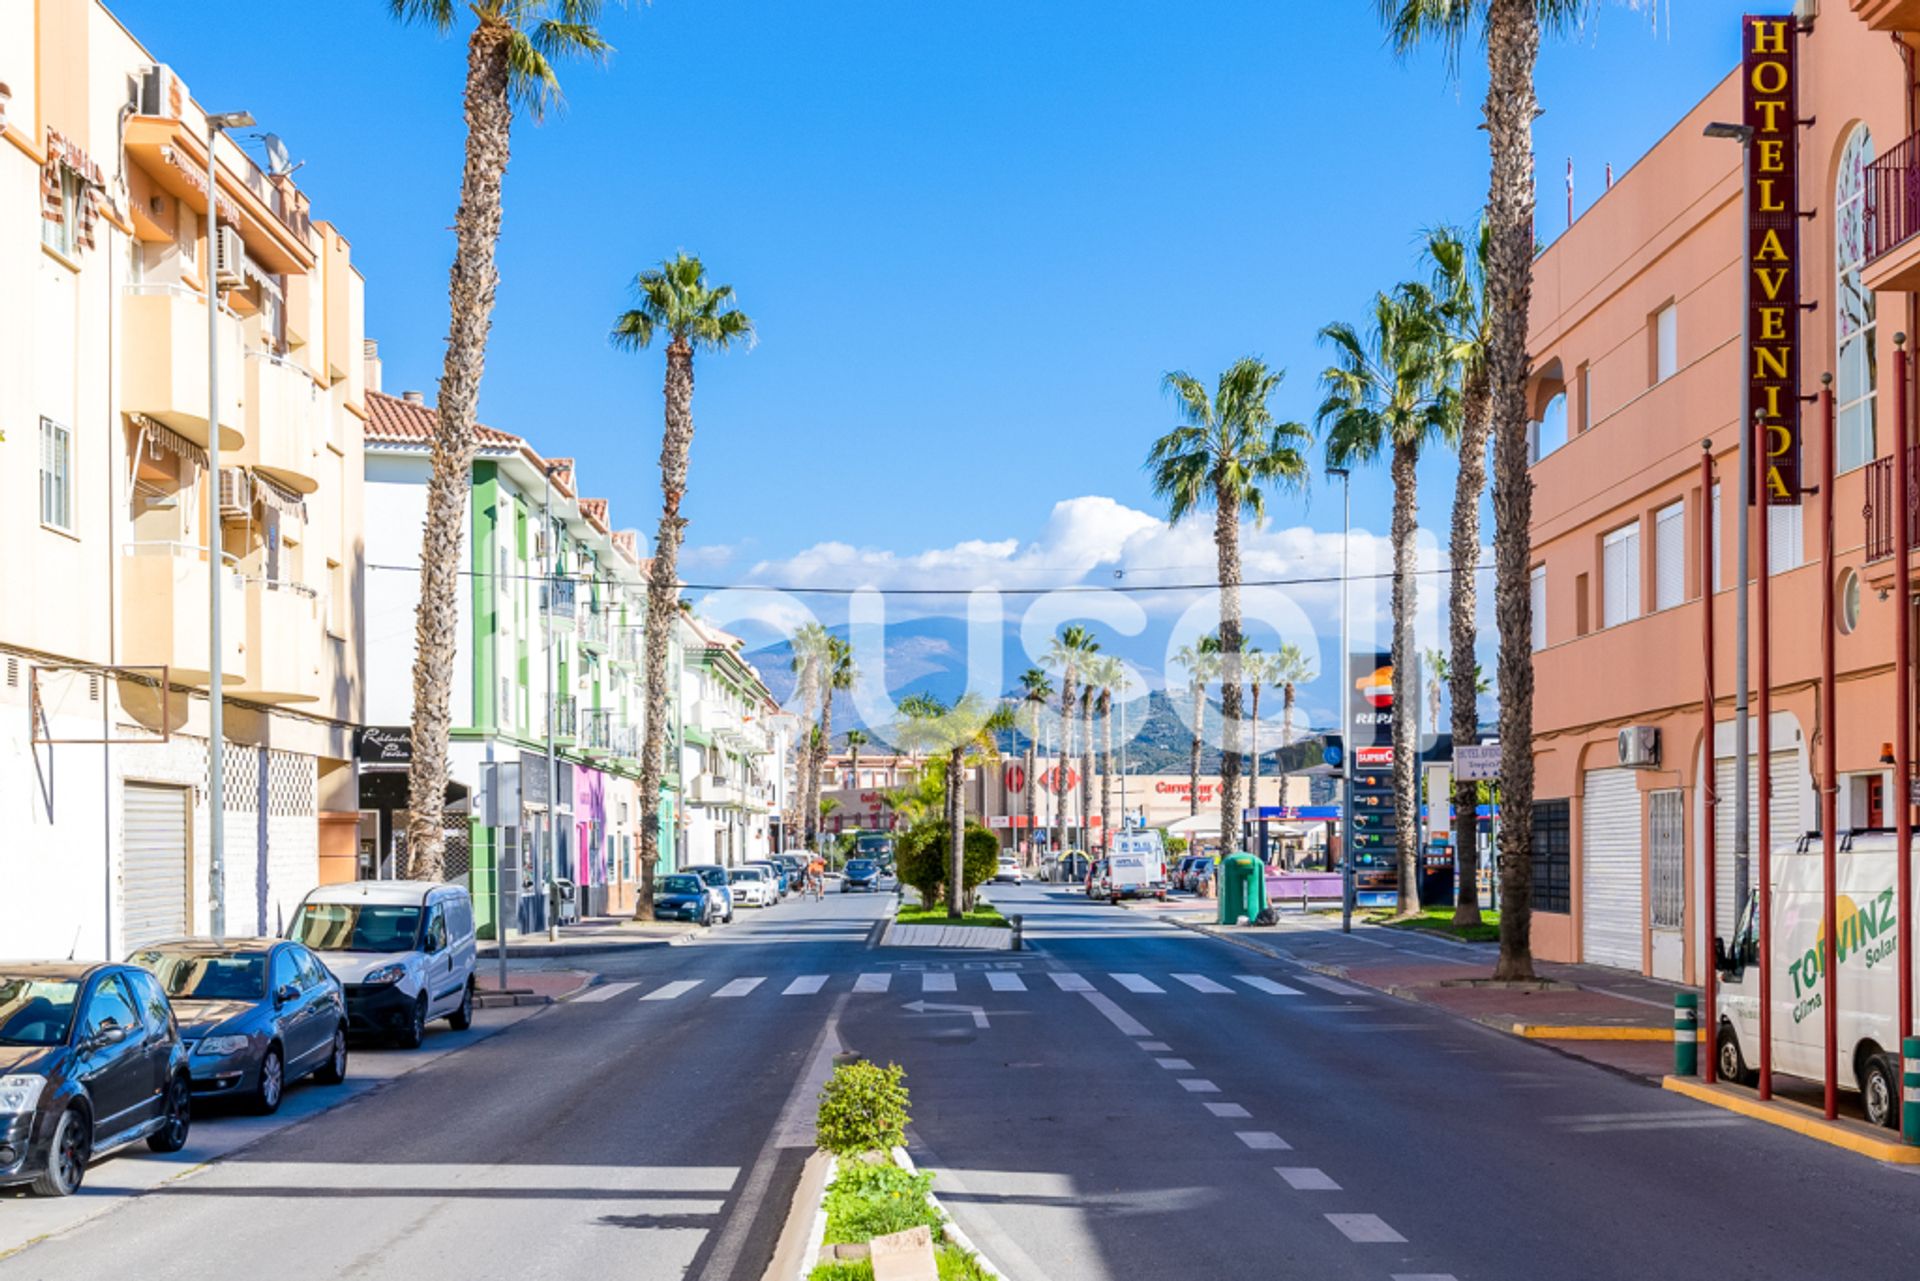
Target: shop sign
point(1769, 95)
point(386, 745)
point(1370, 699)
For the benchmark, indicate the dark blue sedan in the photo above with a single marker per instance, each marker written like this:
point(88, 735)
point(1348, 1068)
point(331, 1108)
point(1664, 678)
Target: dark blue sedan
point(683, 897)
point(861, 874)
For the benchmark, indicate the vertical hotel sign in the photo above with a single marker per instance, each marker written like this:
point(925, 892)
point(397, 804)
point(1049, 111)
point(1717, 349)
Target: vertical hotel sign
point(1769, 78)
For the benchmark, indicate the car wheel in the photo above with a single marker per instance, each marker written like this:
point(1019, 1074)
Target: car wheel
point(172, 1136)
point(1880, 1092)
point(415, 1030)
point(462, 1019)
point(66, 1155)
point(334, 1070)
point(273, 1082)
point(1731, 1063)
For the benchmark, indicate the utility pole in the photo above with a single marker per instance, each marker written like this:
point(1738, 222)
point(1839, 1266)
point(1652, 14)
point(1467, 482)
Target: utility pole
point(553, 677)
point(1346, 707)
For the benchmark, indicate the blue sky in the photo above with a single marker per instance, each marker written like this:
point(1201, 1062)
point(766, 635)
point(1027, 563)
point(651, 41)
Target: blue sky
point(973, 235)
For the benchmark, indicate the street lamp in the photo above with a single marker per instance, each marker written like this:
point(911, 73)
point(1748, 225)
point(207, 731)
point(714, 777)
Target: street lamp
point(1346, 708)
point(1742, 134)
point(216, 673)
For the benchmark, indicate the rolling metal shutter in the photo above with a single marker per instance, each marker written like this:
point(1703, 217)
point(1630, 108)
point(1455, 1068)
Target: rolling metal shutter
point(1784, 820)
point(154, 880)
point(1610, 875)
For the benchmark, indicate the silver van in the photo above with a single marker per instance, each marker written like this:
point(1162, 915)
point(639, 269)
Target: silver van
point(403, 950)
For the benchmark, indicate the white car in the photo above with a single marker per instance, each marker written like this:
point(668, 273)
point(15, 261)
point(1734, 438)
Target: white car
point(1009, 870)
point(403, 950)
point(752, 887)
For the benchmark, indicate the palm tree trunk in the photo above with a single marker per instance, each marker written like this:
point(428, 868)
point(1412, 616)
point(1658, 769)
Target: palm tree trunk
point(1086, 772)
point(1253, 768)
point(1033, 784)
point(1193, 752)
point(1226, 539)
point(1513, 42)
point(1106, 767)
point(819, 762)
point(1461, 665)
point(1406, 745)
point(663, 605)
point(956, 834)
point(1286, 736)
point(489, 115)
point(1066, 754)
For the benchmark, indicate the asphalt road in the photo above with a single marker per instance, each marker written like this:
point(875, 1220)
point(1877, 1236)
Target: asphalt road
point(1125, 1100)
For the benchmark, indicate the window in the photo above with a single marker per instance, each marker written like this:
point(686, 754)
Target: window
point(1537, 592)
point(1668, 855)
point(56, 475)
point(1584, 381)
point(1670, 556)
point(1552, 851)
point(1785, 549)
point(1666, 343)
point(1847, 602)
point(286, 971)
point(1855, 331)
point(1620, 584)
point(1551, 431)
point(63, 236)
point(111, 1006)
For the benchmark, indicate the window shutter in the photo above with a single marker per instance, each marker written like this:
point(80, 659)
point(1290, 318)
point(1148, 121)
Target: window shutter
point(1620, 585)
point(1670, 556)
point(1784, 534)
point(1719, 578)
point(1537, 589)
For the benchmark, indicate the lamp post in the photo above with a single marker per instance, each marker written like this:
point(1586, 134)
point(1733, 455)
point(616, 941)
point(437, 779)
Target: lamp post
point(216, 670)
point(1346, 707)
point(1743, 135)
point(553, 677)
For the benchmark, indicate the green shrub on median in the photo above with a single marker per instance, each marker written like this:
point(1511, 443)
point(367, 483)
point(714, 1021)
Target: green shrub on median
point(868, 1201)
point(862, 1108)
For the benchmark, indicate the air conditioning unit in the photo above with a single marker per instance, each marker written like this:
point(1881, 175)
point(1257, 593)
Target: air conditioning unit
point(161, 93)
point(229, 251)
point(1640, 746)
point(236, 492)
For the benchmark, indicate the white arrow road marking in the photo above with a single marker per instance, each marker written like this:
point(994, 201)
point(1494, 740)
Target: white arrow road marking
point(929, 1007)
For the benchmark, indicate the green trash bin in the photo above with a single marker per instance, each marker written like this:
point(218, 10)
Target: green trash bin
point(1243, 889)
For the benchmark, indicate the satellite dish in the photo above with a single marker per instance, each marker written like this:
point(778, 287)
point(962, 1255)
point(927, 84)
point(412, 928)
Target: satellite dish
point(279, 163)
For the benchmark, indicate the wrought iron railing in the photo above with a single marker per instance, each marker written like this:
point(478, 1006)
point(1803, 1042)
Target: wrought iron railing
point(1880, 509)
point(1893, 198)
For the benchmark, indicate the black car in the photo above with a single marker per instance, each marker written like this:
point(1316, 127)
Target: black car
point(861, 874)
point(256, 1015)
point(683, 897)
point(90, 1061)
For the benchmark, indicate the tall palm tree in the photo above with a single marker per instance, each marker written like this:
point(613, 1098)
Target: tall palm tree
point(1201, 662)
point(1072, 647)
point(1088, 694)
point(1253, 666)
point(1036, 687)
point(1227, 450)
point(511, 54)
point(808, 659)
point(1288, 669)
point(1108, 675)
point(854, 739)
point(837, 672)
point(1510, 29)
point(674, 299)
point(1387, 395)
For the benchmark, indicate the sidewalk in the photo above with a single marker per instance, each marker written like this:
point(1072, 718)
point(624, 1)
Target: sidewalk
point(526, 987)
point(596, 934)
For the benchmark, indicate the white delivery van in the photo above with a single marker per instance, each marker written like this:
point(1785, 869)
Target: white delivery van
point(1868, 983)
point(1135, 867)
point(404, 951)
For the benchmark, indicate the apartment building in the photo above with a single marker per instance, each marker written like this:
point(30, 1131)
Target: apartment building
point(733, 750)
point(547, 674)
point(112, 249)
point(1638, 369)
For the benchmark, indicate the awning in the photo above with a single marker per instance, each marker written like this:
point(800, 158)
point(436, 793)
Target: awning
point(157, 436)
point(277, 496)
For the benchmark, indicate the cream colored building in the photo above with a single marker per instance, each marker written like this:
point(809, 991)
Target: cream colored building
point(106, 502)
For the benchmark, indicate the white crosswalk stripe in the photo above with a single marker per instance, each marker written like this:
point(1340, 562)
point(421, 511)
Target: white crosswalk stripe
point(933, 981)
point(1000, 981)
point(1070, 983)
point(739, 987)
point(872, 982)
point(1260, 983)
point(1137, 983)
point(806, 985)
point(677, 988)
point(1201, 983)
point(605, 992)
point(1335, 986)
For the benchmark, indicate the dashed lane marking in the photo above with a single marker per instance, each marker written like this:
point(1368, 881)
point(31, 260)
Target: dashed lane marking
point(1306, 1179)
point(1231, 1111)
point(1365, 1229)
point(1154, 1047)
point(1175, 1065)
point(1198, 1085)
point(1263, 1140)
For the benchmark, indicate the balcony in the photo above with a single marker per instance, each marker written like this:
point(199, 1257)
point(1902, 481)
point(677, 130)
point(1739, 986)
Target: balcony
point(285, 422)
point(593, 629)
point(629, 646)
point(284, 625)
point(164, 371)
point(716, 789)
point(566, 720)
point(1879, 508)
point(1889, 15)
point(164, 612)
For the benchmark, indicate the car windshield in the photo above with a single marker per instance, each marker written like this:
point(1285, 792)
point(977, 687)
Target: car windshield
point(200, 976)
point(744, 874)
point(36, 1011)
point(860, 866)
point(682, 885)
point(358, 927)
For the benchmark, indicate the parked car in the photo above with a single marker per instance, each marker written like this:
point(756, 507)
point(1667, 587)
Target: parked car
point(1096, 871)
point(752, 887)
point(861, 874)
point(404, 950)
point(1009, 870)
point(90, 1061)
point(776, 874)
point(256, 1015)
point(1191, 871)
point(717, 884)
point(682, 896)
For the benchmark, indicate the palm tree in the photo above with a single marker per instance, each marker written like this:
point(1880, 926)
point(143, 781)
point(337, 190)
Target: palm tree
point(1386, 394)
point(837, 673)
point(1253, 666)
point(1108, 675)
point(854, 739)
point(1087, 700)
point(1226, 451)
point(1036, 688)
point(967, 731)
point(1073, 646)
point(1511, 32)
point(1288, 669)
point(1201, 661)
point(809, 656)
point(674, 299)
point(511, 54)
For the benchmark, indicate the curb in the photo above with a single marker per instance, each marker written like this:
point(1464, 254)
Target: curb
point(508, 1000)
point(1575, 1032)
point(1797, 1117)
point(795, 1254)
point(560, 951)
point(949, 1229)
